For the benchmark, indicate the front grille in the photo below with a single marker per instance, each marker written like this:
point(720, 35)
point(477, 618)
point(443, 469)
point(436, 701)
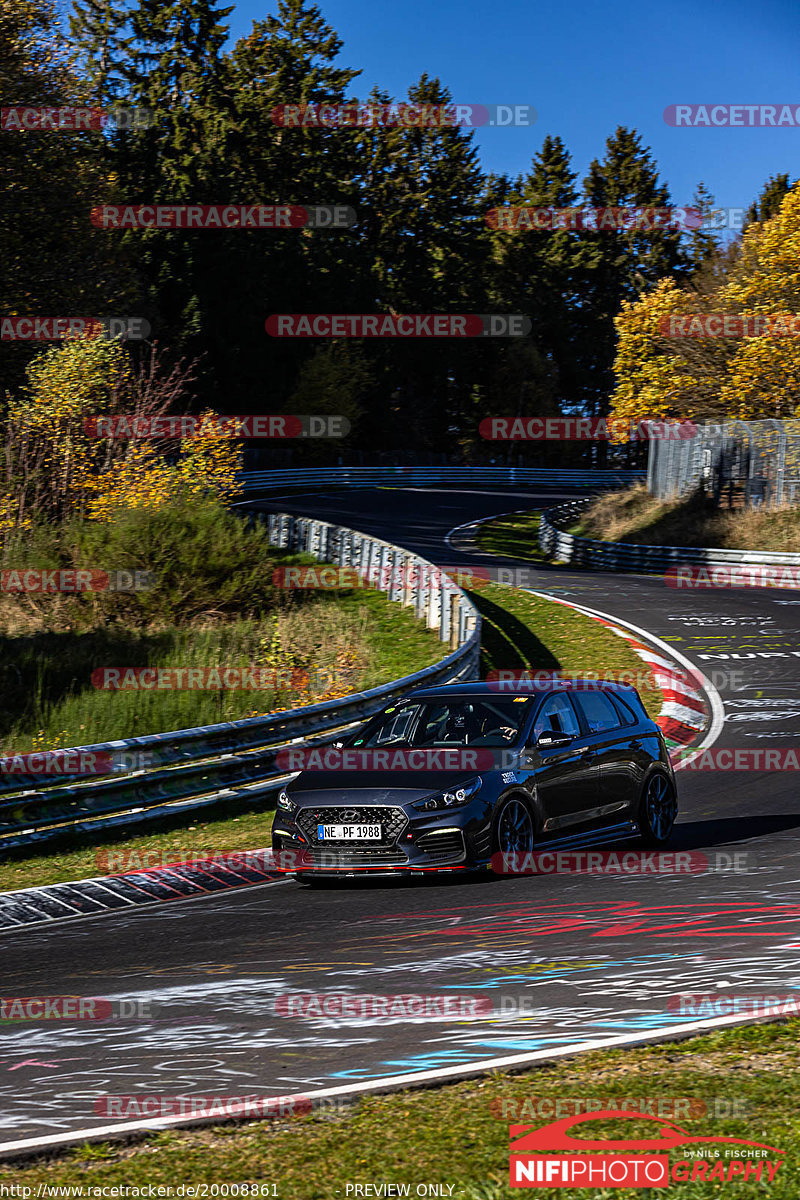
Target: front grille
point(391, 820)
point(447, 845)
point(356, 856)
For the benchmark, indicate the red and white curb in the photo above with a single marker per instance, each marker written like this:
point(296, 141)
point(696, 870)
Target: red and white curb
point(684, 712)
point(189, 880)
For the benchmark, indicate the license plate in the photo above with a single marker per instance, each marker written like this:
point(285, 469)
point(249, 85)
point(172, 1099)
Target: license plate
point(349, 833)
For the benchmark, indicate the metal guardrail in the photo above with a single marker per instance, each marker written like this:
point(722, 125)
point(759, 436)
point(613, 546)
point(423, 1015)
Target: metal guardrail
point(565, 547)
point(354, 477)
point(192, 768)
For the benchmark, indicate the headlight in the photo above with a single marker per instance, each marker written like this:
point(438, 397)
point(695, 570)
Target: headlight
point(285, 804)
point(455, 799)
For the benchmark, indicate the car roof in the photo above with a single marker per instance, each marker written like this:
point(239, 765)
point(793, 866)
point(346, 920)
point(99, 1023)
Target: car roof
point(527, 687)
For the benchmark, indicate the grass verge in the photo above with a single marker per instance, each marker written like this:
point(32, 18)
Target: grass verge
point(514, 536)
point(458, 1134)
point(329, 645)
point(522, 631)
point(195, 587)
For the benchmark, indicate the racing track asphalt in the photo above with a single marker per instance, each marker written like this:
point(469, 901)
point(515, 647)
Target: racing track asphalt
point(584, 958)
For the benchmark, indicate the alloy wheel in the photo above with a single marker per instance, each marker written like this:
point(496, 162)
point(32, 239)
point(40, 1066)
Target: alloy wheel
point(515, 828)
point(660, 807)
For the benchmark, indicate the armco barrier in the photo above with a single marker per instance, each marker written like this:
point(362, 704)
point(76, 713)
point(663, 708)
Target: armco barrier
point(355, 477)
point(191, 768)
point(564, 547)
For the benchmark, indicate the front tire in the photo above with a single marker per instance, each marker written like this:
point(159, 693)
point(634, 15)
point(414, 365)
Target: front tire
point(658, 809)
point(513, 835)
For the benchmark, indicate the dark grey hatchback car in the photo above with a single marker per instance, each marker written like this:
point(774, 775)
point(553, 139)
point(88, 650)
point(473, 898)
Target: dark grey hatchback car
point(451, 777)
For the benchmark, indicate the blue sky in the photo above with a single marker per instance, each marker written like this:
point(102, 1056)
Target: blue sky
point(588, 67)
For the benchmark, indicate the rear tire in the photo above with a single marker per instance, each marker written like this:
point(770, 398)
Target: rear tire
point(658, 809)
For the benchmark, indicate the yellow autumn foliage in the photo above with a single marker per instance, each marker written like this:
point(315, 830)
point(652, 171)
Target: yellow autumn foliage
point(53, 466)
point(652, 384)
point(710, 378)
point(209, 464)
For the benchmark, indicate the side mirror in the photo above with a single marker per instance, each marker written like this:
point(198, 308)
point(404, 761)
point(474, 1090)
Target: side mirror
point(551, 739)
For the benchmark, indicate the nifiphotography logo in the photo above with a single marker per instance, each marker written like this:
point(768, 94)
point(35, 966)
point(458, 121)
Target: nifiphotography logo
point(632, 1162)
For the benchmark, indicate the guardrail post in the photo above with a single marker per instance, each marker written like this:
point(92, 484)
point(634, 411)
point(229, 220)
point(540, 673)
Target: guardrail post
point(423, 591)
point(395, 590)
point(444, 614)
point(434, 599)
point(407, 582)
point(454, 622)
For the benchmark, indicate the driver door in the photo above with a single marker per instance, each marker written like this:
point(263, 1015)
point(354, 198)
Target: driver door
point(567, 777)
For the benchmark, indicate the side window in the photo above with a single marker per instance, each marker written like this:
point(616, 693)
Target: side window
point(599, 711)
point(626, 712)
point(558, 715)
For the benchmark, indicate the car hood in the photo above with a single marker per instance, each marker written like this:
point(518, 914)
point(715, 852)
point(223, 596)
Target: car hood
point(371, 787)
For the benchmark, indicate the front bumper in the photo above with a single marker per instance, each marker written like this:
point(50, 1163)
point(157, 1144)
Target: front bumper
point(422, 842)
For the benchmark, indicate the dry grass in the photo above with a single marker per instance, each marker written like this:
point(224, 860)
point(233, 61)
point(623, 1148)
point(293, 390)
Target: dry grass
point(637, 517)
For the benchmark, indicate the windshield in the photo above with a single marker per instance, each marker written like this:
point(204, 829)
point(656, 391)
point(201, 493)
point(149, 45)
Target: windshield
point(471, 721)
